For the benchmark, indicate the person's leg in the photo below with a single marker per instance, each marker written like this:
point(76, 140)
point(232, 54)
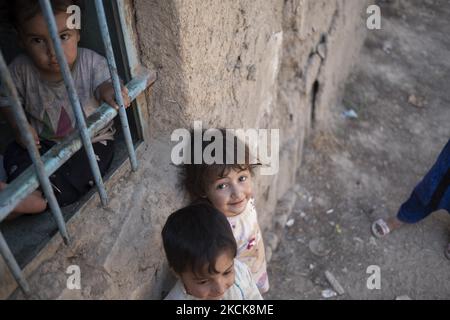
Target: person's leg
point(428, 194)
point(16, 160)
point(70, 182)
point(413, 210)
point(410, 212)
point(424, 199)
point(442, 201)
point(74, 179)
point(32, 204)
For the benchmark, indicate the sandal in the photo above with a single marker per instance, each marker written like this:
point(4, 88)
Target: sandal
point(380, 228)
point(447, 251)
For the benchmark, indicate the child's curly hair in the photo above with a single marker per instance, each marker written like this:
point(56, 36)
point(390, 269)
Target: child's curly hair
point(198, 176)
point(20, 11)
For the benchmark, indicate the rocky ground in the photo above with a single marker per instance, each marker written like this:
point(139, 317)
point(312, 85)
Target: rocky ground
point(363, 168)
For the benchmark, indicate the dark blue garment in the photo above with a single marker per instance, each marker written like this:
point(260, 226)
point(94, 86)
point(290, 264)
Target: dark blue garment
point(431, 194)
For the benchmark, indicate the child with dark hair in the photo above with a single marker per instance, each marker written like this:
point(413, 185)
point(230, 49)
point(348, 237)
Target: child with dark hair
point(227, 185)
point(39, 82)
point(201, 250)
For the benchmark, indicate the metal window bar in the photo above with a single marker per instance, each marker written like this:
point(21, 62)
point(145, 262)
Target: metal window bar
point(27, 182)
point(73, 96)
point(116, 81)
point(22, 123)
point(12, 264)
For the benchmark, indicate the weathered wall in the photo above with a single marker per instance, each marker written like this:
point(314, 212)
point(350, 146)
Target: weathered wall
point(250, 64)
point(235, 64)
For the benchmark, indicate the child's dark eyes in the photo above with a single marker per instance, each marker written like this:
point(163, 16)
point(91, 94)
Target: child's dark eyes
point(242, 178)
point(202, 282)
point(65, 36)
point(221, 186)
point(37, 40)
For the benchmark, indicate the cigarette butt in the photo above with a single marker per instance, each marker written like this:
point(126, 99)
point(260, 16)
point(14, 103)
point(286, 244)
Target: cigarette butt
point(334, 283)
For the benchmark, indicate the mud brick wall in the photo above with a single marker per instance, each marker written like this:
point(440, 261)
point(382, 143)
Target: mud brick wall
point(276, 64)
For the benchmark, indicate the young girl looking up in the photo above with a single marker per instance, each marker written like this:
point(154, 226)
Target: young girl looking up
point(227, 184)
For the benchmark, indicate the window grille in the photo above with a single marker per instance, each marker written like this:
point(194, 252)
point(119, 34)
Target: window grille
point(45, 166)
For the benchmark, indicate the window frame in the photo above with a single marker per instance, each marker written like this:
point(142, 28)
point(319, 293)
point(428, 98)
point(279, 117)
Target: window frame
point(141, 79)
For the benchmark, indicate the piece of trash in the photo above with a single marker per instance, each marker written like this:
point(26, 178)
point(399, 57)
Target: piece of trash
point(334, 283)
point(416, 101)
point(310, 199)
point(338, 229)
point(404, 297)
point(302, 215)
point(350, 114)
point(328, 293)
point(311, 266)
point(330, 211)
point(290, 223)
point(387, 47)
point(358, 239)
point(304, 274)
point(300, 240)
point(318, 247)
point(332, 223)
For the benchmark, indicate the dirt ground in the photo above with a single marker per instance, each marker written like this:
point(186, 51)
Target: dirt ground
point(363, 169)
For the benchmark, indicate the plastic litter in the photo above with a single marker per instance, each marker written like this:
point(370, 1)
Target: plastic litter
point(290, 223)
point(350, 114)
point(404, 297)
point(334, 283)
point(328, 293)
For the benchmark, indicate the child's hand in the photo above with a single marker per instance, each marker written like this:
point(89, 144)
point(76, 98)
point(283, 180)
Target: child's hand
point(20, 140)
point(106, 94)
